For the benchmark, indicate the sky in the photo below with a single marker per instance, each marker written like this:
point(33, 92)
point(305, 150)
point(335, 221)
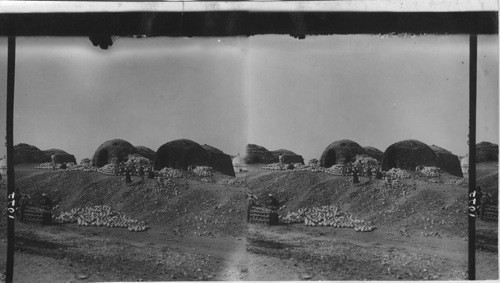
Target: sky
point(275, 91)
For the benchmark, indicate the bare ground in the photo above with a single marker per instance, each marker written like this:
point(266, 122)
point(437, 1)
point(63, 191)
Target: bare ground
point(399, 249)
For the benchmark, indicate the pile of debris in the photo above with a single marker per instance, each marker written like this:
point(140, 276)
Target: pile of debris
point(46, 165)
point(49, 165)
point(337, 169)
point(170, 173)
point(101, 216)
point(136, 161)
point(396, 174)
point(464, 182)
point(108, 169)
point(233, 182)
point(365, 163)
point(86, 162)
point(203, 171)
point(313, 162)
point(328, 215)
point(431, 172)
point(292, 167)
point(273, 166)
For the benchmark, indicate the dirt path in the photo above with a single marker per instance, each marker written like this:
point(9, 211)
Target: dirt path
point(104, 254)
point(302, 252)
point(236, 266)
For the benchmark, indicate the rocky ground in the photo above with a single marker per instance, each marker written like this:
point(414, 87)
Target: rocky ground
point(198, 230)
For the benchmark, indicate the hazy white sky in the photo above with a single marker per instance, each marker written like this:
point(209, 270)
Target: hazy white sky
point(275, 91)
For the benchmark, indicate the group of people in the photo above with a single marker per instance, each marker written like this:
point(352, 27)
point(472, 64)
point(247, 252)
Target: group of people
point(129, 170)
point(357, 169)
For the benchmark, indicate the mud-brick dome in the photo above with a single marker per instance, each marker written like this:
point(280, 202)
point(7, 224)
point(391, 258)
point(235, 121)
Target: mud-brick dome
point(60, 156)
point(180, 154)
point(146, 152)
point(219, 161)
point(486, 151)
point(447, 161)
point(340, 152)
point(374, 153)
point(256, 154)
point(408, 154)
point(25, 153)
point(288, 156)
point(113, 152)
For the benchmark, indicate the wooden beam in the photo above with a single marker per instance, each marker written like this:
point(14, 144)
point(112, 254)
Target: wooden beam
point(11, 63)
point(472, 153)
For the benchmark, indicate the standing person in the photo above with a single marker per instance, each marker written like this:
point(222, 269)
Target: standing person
point(53, 158)
point(251, 202)
point(122, 168)
point(141, 172)
point(273, 202)
point(151, 173)
point(355, 178)
point(128, 177)
point(359, 167)
point(47, 201)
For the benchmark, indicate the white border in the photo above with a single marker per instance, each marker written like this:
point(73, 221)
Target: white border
point(15, 6)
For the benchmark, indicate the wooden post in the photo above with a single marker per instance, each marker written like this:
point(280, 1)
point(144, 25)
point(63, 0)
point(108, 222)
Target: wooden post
point(472, 151)
point(11, 62)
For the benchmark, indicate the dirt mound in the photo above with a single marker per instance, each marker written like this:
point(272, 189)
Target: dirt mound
point(219, 161)
point(182, 204)
point(407, 205)
point(340, 152)
point(408, 154)
point(374, 153)
point(25, 153)
point(289, 157)
point(447, 161)
point(113, 152)
point(180, 154)
point(146, 152)
point(486, 151)
point(256, 154)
